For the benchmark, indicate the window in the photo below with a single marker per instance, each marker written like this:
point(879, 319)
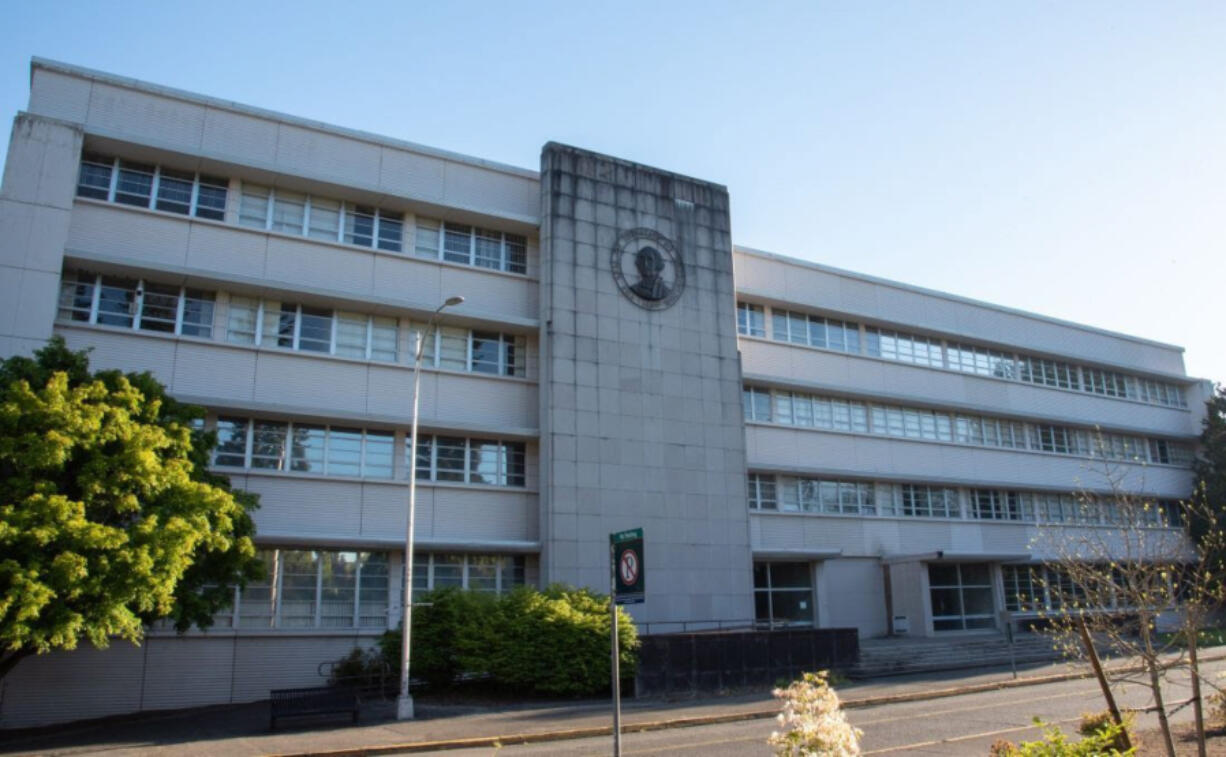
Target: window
point(757, 404)
point(961, 596)
point(1023, 592)
point(750, 319)
point(473, 461)
point(476, 351)
point(980, 360)
point(494, 574)
point(911, 423)
point(303, 448)
point(299, 327)
point(1108, 383)
point(906, 348)
point(928, 502)
point(813, 495)
point(761, 491)
point(314, 589)
point(133, 303)
point(1048, 373)
point(1063, 508)
point(989, 504)
point(783, 594)
point(471, 245)
point(144, 185)
point(322, 218)
point(815, 331)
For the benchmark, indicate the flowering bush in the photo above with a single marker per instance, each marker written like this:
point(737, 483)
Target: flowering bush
point(814, 721)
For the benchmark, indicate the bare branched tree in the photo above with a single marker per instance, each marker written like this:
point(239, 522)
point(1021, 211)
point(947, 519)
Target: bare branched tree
point(1122, 572)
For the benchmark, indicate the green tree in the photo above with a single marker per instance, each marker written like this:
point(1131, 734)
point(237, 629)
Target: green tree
point(109, 517)
point(1210, 467)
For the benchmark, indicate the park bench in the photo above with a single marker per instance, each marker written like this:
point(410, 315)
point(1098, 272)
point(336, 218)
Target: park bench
point(313, 700)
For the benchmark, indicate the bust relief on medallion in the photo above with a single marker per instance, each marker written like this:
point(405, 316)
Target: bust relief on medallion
point(652, 260)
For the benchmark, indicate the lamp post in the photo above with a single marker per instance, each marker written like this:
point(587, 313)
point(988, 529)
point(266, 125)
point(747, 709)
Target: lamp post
point(404, 704)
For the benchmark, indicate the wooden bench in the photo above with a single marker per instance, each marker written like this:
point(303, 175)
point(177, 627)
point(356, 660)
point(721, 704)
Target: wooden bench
point(314, 700)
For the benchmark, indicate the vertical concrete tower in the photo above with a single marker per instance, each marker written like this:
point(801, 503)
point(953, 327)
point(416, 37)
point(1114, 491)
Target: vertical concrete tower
point(641, 420)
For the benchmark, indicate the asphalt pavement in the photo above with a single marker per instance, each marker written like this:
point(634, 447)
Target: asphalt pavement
point(952, 713)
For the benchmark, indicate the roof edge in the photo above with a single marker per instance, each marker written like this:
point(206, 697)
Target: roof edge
point(217, 102)
point(963, 300)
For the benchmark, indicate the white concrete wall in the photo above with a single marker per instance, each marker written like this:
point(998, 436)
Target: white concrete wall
point(172, 120)
point(889, 382)
point(166, 672)
point(35, 207)
point(212, 250)
point(777, 279)
point(811, 452)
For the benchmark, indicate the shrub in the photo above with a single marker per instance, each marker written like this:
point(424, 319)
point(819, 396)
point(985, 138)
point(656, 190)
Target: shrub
point(1094, 723)
point(362, 668)
point(554, 642)
point(814, 721)
point(1054, 743)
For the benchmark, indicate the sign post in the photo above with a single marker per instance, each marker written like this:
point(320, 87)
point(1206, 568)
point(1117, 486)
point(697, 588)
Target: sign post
point(626, 584)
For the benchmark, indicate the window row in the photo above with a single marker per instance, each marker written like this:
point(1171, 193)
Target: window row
point(844, 336)
point(150, 306)
point(1032, 588)
point(796, 494)
point(325, 450)
point(815, 331)
point(293, 326)
point(135, 304)
point(144, 185)
point(336, 332)
point(495, 574)
point(838, 414)
point(275, 209)
point(313, 589)
point(471, 461)
point(303, 448)
point(471, 245)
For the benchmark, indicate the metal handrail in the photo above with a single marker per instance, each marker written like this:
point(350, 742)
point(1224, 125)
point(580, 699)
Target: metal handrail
point(715, 624)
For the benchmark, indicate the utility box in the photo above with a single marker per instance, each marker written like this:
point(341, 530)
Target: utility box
point(902, 624)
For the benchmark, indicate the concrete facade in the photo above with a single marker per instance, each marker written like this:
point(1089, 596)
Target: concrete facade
point(276, 270)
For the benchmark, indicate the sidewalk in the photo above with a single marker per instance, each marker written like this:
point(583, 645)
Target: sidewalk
point(243, 729)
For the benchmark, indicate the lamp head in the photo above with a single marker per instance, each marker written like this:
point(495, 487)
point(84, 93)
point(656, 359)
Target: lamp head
point(452, 301)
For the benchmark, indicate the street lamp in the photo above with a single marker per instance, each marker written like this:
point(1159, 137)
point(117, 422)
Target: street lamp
point(404, 704)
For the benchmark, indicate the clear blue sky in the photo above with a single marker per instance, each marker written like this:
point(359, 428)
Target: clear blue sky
point(1065, 158)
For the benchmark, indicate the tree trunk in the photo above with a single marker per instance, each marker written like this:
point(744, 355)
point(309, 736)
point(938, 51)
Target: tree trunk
point(1197, 707)
point(1155, 684)
point(10, 660)
point(1092, 655)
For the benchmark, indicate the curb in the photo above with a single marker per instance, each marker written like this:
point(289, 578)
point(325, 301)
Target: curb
point(700, 720)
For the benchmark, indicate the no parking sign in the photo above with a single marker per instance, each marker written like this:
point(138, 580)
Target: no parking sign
point(626, 551)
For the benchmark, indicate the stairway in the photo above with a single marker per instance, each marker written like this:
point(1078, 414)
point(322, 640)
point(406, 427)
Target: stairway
point(899, 656)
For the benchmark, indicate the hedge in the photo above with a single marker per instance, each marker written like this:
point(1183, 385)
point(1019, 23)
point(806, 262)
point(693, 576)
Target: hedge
point(552, 642)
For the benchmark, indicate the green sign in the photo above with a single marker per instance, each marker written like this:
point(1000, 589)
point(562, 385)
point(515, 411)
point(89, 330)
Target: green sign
point(626, 553)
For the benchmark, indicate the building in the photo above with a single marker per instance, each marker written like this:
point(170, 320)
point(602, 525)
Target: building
point(617, 363)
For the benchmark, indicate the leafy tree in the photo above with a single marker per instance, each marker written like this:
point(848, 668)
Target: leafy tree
point(109, 518)
point(1210, 466)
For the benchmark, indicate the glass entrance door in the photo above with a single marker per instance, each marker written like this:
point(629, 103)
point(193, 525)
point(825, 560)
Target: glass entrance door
point(961, 596)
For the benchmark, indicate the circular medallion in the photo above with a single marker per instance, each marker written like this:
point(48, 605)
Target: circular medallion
point(647, 268)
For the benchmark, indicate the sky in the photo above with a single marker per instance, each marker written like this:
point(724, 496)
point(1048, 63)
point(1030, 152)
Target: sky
point(1063, 158)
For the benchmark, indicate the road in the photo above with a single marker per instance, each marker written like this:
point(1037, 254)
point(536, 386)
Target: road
point(964, 725)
